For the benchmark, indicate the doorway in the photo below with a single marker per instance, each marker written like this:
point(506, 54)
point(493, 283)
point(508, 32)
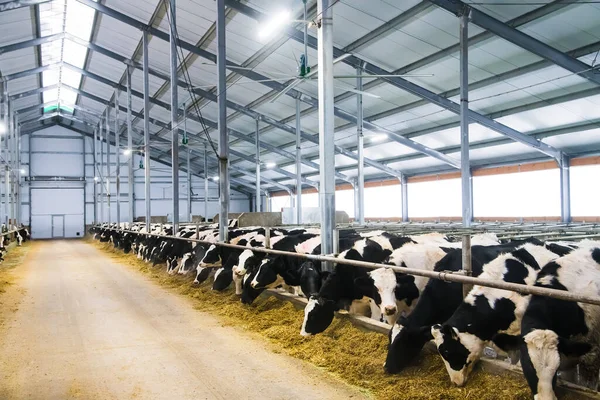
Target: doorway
point(58, 226)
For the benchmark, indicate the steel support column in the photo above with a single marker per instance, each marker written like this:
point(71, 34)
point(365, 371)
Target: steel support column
point(146, 72)
point(465, 165)
point(4, 129)
point(326, 127)
point(117, 159)
point(109, 220)
point(100, 174)
point(298, 162)
point(565, 189)
point(205, 184)
point(130, 183)
point(404, 197)
point(95, 174)
point(174, 115)
point(360, 183)
point(222, 124)
point(467, 190)
point(257, 202)
point(189, 169)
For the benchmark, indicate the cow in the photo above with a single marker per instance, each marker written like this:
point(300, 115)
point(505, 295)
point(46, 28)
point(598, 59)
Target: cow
point(486, 311)
point(436, 303)
point(557, 334)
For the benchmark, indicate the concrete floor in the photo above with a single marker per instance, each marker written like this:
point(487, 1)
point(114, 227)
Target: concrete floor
point(82, 326)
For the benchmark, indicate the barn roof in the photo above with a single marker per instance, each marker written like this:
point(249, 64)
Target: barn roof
point(532, 76)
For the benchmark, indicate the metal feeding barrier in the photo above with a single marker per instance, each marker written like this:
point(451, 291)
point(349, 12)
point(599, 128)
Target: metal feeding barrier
point(448, 276)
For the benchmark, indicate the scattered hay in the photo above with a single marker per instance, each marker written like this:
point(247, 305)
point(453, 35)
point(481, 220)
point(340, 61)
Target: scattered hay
point(353, 354)
point(15, 257)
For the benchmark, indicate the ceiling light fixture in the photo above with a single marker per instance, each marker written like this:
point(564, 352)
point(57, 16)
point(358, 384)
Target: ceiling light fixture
point(276, 23)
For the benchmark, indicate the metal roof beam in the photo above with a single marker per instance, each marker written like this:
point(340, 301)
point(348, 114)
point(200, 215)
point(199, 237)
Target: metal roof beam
point(158, 159)
point(30, 43)
point(212, 97)
point(407, 16)
point(521, 39)
point(14, 4)
point(536, 66)
point(140, 95)
point(253, 75)
point(425, 94)
point(36, 70)
point(32, 92)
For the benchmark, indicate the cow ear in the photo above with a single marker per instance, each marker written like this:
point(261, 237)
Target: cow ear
point(572, 348)
point(507, 342)
point(325, 275)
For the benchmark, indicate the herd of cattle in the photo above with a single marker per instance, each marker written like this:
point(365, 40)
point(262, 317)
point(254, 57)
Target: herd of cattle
point(21, 235)
point(545, 333)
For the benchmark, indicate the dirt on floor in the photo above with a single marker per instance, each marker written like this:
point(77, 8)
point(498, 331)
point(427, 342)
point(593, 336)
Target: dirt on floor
point(80, 325)
point(10, 293)
point(345, 350)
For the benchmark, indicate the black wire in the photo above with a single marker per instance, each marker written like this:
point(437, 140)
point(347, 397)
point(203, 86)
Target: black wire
point(188, 81)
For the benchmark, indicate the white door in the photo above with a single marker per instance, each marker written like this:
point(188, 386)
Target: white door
point(57, 212)
point(58, 226)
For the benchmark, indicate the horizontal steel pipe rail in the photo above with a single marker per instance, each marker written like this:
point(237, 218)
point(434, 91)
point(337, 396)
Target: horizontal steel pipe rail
point(448, 276)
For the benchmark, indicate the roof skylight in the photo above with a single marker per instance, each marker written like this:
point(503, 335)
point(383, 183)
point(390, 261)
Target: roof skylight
point(72, 17)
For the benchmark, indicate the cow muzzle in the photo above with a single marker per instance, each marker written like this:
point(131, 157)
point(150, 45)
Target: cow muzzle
point(390, 310)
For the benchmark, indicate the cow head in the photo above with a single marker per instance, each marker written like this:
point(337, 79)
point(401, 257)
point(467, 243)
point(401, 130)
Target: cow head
point(187, 262)
point(201, 275)
point(266, 275)
point(172, 264)
point(380, 285)
point(247, 261)
point(540, 359)
point(223, 278)
point(459, 350)
point(318, 315)
point(406, 343)
point(249, 294)
point(212, 257)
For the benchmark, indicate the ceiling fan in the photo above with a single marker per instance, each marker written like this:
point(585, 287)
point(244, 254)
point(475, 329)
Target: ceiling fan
point(304, 70)
point(307, 74)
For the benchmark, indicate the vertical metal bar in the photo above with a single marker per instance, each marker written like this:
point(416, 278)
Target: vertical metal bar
point(174, 116)
point(298, 163)
point(326, 128)
point(20, 176)
point(257, 205)
point(95, 174)
point(108, 164)
point(222, 123)
point(189, 184)
point(130, 183)
point(361, 154)
point(305, 33)
point(189, 167)
point(205, 184)
point(100, 174)
point(117, 158)
point(11, 163)
point(467, 190)
point(4, 129)
point(147, 198)
point(404, 197)
point(565, 189)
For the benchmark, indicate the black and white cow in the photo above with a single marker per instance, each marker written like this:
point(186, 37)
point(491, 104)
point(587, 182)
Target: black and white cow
point(436, 303)
point(486, 311)
point(558, 334)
